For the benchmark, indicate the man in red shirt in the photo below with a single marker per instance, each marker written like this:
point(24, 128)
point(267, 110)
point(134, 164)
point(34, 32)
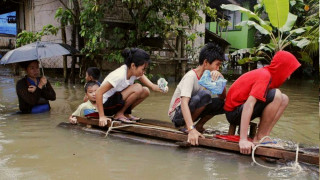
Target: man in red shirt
point(254, 94)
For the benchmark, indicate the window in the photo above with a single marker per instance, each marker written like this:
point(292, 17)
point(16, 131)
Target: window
point(8, 23)
point(234, 18)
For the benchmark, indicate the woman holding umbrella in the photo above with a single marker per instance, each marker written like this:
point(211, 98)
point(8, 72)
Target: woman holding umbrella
point(34, 92)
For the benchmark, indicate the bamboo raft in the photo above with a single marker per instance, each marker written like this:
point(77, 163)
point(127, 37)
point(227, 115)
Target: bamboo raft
point(166, 131)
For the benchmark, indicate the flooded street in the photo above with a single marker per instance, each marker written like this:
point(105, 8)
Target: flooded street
point(33, 147)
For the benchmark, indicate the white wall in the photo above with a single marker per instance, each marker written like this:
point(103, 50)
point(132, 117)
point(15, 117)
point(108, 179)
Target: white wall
point(40, 13)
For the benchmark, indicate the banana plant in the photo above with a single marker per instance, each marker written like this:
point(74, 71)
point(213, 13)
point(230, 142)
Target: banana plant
point(255, 55)
point(281, 22)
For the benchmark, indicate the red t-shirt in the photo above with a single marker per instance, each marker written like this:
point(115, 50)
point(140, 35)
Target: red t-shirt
point(254, 83)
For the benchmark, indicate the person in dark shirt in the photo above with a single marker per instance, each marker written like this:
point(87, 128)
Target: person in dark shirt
point(34, 92)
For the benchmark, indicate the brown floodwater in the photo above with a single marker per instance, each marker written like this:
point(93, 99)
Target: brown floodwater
point(33, 147)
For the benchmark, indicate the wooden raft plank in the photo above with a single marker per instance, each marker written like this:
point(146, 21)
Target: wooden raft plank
point(208, 142)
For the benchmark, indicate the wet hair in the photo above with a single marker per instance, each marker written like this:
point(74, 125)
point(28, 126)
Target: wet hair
point(211, 52)
point(25, 64)
point(90, 84)
point(135, 55)
point(94, 72)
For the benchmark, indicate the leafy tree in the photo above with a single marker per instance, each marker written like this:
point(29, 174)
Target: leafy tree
point(150, 19)
point(158, 19)
point(66, 17)
point(27, 37)
point(93, 29)
point(278, 26)
point(70, 16)
point(312, 20)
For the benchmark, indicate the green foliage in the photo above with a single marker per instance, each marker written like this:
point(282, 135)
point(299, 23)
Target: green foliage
point(159, 18)
point(27, 37)
point(192, 52)
point(281, 24)
point(116, 39)
point(150, 19)
point(256, 54)
point(65, 16)
point(57, 84)
point(115, 56)
point(93, 28)
point(277, 11)
point(312, 34)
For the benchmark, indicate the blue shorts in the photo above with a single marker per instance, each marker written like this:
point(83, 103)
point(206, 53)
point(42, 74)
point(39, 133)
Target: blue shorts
point(40, 108)
point(214, 106)
point(234, 117)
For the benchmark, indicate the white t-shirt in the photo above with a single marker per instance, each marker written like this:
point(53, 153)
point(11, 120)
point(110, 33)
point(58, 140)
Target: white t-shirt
point(187, 87)
point(118, 79)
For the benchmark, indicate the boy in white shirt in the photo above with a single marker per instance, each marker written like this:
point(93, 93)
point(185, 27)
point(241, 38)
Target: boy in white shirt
point(191, 101)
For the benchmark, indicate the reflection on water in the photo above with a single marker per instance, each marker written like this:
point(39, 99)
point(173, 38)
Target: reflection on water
point(31, 147)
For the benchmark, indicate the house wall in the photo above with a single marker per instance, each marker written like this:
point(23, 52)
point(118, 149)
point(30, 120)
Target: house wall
point(33, 15)
point(238, 39)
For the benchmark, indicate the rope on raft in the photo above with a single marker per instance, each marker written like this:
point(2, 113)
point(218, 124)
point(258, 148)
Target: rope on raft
point(295, 167)
point(136, 125)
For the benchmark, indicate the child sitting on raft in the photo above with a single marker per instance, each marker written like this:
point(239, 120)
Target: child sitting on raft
point(118, 94)
point(92, 74)
point(87, 108)
point(34, 92)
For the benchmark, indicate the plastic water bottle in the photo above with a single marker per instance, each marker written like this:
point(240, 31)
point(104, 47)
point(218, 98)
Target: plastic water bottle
point(163, 84)
point(216, 87)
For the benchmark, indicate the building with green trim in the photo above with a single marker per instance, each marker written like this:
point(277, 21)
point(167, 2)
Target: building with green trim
point(239, 38)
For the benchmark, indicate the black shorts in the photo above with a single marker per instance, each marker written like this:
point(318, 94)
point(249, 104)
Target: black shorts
point(114, 104)
point(234, 117)
point(214, 106)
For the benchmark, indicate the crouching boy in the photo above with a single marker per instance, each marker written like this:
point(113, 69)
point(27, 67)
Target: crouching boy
point(191, 102)
point(255, 94)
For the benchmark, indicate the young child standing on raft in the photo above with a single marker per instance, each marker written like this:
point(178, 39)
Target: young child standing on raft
point(34, 92)
point(118, 94)
point(191, 101)
point(92, 74)
point(87, 108)
point(255, 94)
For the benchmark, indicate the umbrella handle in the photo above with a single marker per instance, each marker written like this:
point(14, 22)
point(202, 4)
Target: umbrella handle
point(42, 71)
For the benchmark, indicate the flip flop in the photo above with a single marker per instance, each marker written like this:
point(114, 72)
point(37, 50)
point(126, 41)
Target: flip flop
point(124, 120)
point(272, 144)
point(133, 118)
point(184, 130)
point(269, 142)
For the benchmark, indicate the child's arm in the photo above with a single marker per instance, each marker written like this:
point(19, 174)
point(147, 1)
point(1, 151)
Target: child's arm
point(144, 80)
point(73, 119)
point(99, 101)
point(193, 134)
point(244, 144)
